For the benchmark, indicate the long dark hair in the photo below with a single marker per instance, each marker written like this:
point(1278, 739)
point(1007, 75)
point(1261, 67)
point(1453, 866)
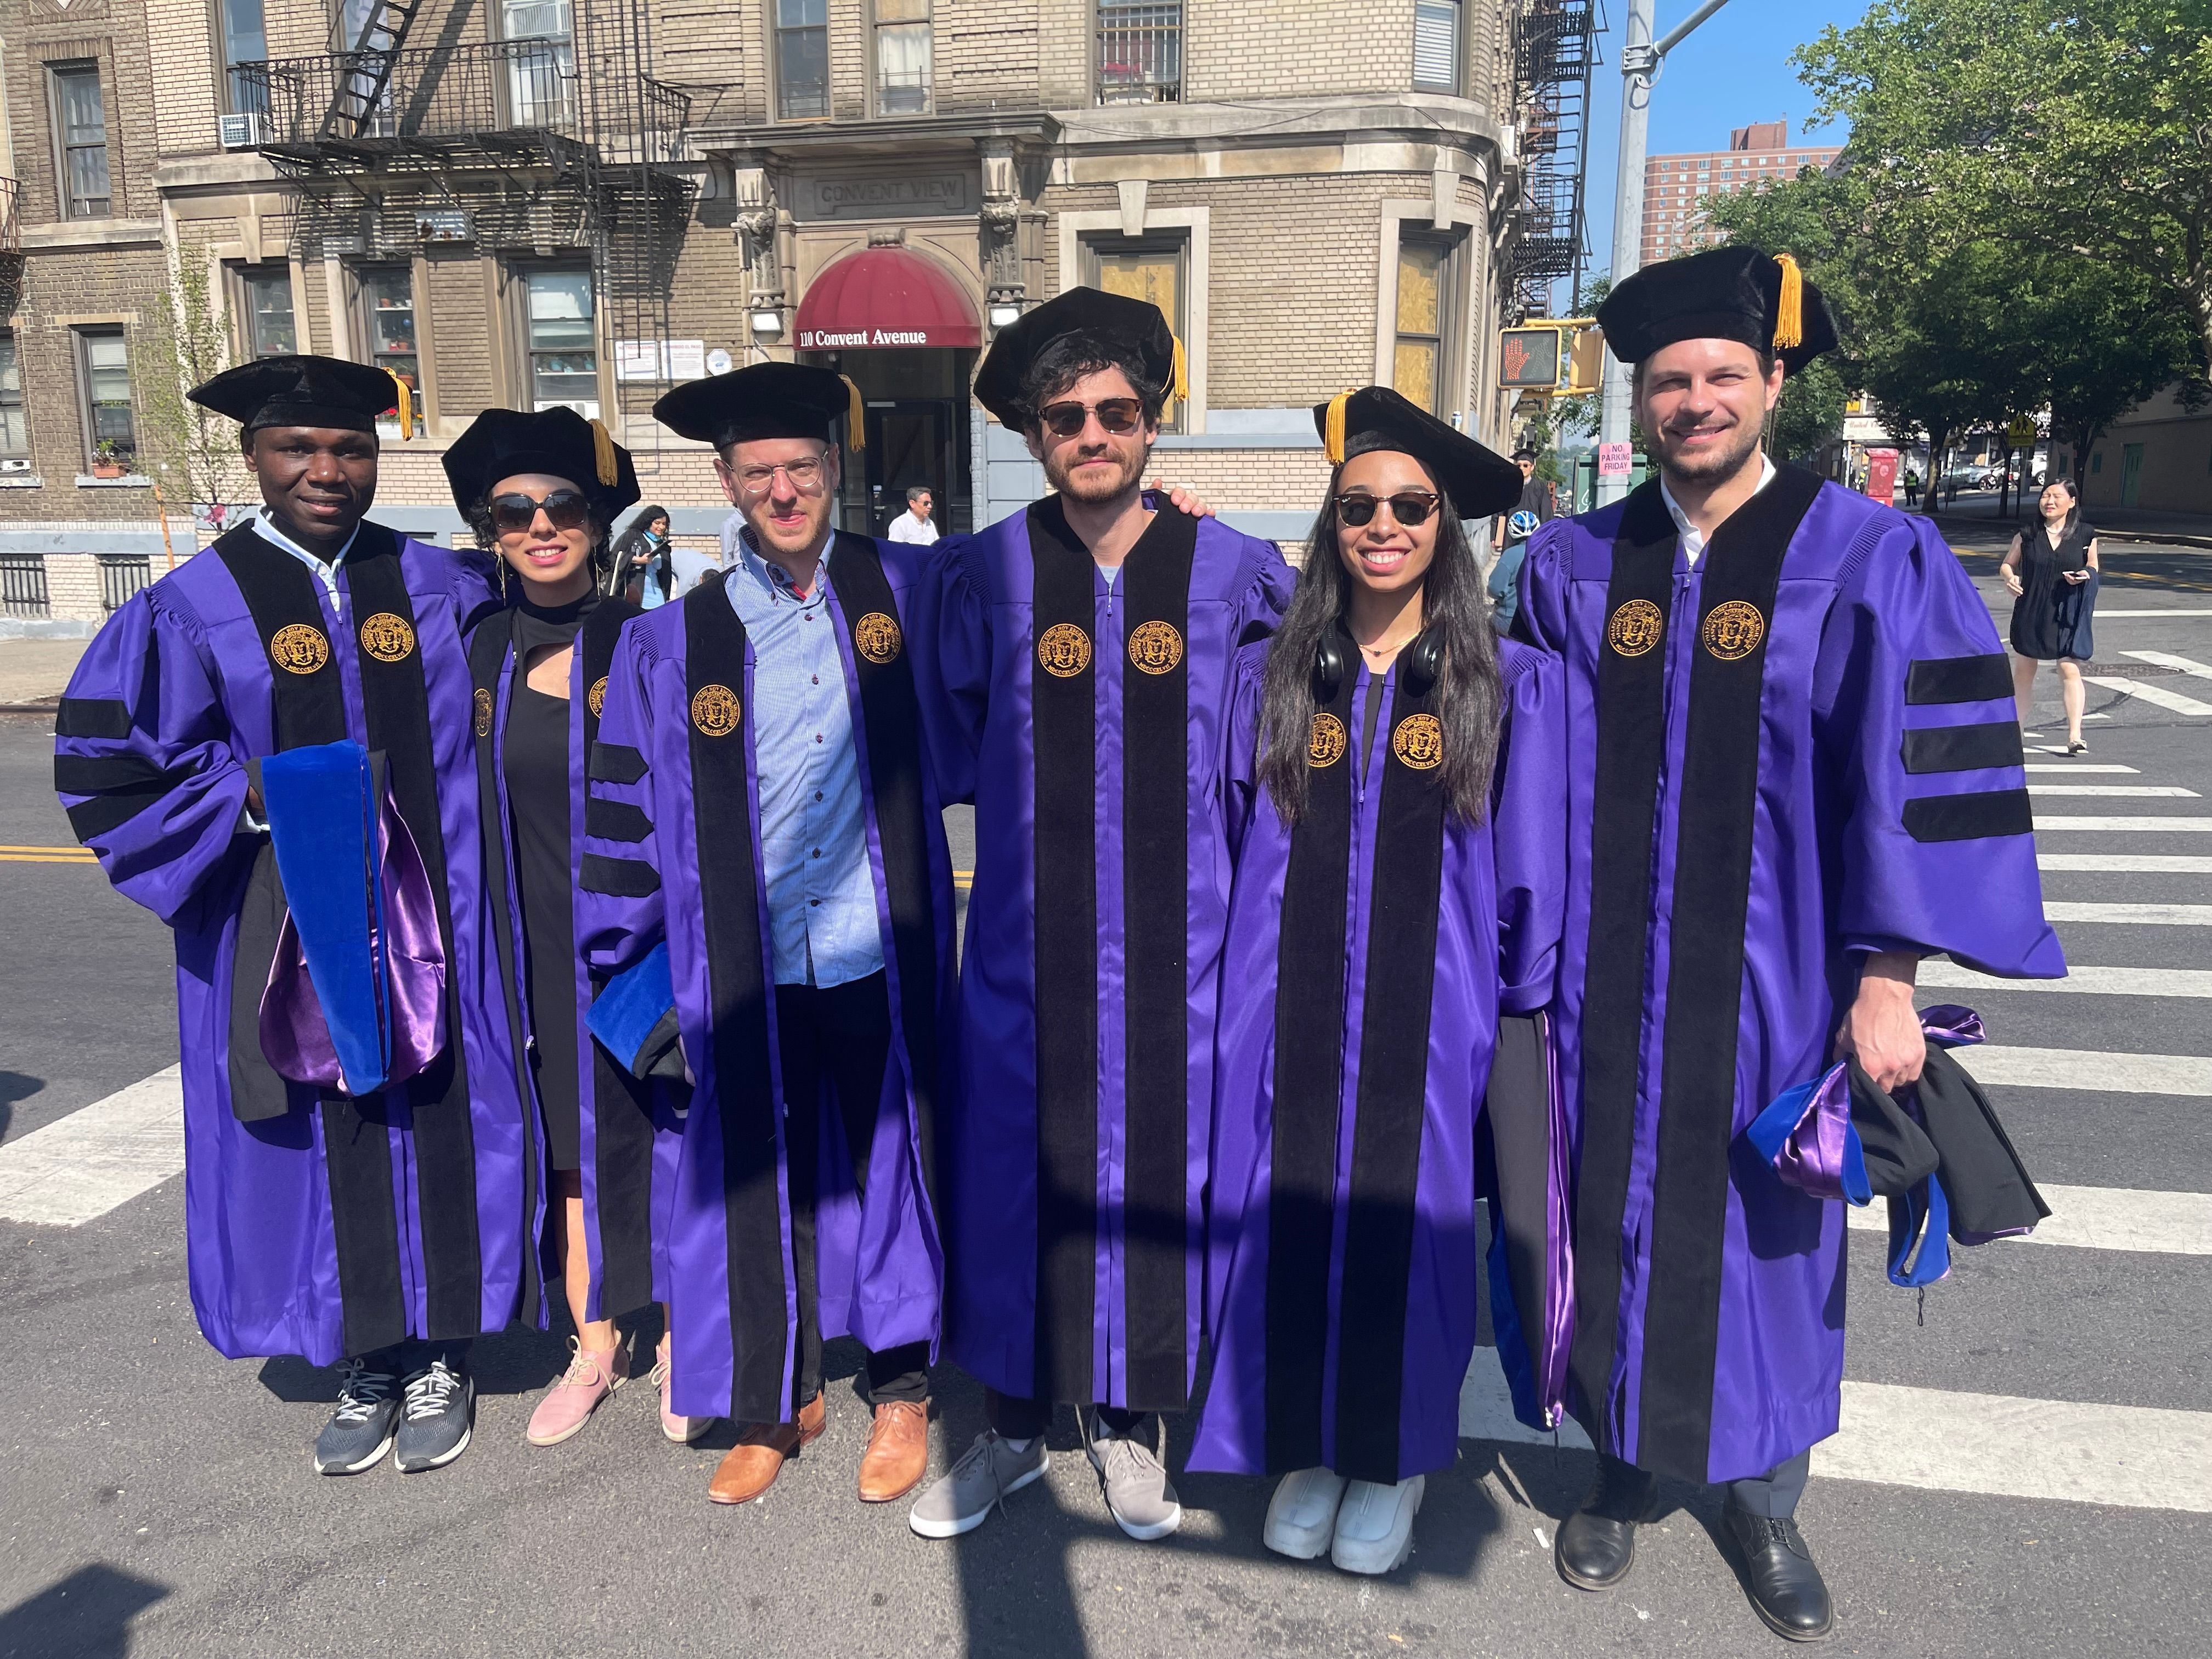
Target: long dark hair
point(1470, 693)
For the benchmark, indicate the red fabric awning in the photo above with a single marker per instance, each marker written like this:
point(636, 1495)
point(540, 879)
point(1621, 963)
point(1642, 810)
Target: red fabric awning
point(886, 297)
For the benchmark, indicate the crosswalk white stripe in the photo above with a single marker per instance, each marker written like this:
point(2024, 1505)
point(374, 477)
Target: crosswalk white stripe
point(2103, 615)
point(82, 1166)
point(2074, 766)
point(2172, 826)
point(2126, 863)
point(2154, 916)
point(1938, 1440)
point(2101, 1218)
point(2125, 791)
point(2088, 1069)
point(2167, 660)
point(2134, 1456)
point(2087, 981)
point(2157, 696)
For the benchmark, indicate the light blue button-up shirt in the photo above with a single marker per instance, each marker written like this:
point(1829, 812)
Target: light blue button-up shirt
point(814, 841)
point(326, 571)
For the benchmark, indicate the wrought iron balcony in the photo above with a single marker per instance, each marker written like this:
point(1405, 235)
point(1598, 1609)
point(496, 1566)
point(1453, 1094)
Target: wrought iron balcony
point(435, 99)
point(11, 227)
point(1139, 52)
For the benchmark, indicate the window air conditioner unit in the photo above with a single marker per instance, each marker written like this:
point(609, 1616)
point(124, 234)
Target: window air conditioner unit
point(249, 131)
point(16, 463)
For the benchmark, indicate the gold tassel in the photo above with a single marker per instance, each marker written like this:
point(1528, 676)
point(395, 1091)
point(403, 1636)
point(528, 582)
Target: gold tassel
point(603, 453)
point(1332, 437)
point(406, 408)
point(1790, 310)
point(1179, 374)
point(856, 416)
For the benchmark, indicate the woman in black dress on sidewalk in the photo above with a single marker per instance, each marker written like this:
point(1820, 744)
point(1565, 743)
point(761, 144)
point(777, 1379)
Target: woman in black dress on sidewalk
point(2052, 571)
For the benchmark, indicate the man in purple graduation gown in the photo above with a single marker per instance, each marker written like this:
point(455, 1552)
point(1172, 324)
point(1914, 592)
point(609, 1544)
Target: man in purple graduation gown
point(1793, 771)
point(760, 801)
point(1074, 660)
point(388, 1229)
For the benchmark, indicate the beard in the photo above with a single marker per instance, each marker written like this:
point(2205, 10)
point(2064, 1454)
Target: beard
point(1719, 461)
point(1094, 483)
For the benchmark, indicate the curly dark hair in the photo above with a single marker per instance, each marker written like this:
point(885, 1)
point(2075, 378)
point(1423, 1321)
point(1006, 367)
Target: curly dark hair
point(1056, 368)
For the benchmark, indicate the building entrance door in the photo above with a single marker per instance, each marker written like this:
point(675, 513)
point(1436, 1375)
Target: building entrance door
point(910, 443)
point(916, 407)
point(2131, 475)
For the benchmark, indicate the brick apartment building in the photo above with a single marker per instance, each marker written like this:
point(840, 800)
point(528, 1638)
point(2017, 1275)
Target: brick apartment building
point(1677, 187)
point(537, 201)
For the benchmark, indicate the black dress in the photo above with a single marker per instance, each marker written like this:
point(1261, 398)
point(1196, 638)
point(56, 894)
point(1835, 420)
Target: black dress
point(537, 765)
point(2051, 617)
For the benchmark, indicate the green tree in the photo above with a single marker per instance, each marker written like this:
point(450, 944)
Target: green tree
point(193, 450)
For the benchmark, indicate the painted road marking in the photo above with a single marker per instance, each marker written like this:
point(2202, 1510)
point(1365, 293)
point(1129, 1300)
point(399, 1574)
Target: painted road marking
point(2099, 1218)
point(2133, 1456)
point(2167, 660)
point(1994, 1065)
point(2172, 826)
point(2126, 863)
point(2076, 766)
point(2090, 982)
point(2103, 615)
point(2157, 696)
point(2121, 791)
point(2153, 915)
point(80, 1167)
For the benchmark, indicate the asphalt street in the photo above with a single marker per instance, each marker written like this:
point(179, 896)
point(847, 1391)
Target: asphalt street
point(159, 1499)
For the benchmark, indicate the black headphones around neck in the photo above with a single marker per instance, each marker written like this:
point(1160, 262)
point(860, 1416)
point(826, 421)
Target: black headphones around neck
point(1423, 662)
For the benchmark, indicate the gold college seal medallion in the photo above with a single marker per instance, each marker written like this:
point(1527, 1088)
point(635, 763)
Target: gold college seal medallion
point(1419, 742)
point(714, 711)
point(876, 636)
point(1064, 651)
point(483, 713)
point(387, 638)
point(299, 648)
point(1326, 744)
point(1635, 627)
point(1733, 630)
point(596, 698)
point(1156, 647)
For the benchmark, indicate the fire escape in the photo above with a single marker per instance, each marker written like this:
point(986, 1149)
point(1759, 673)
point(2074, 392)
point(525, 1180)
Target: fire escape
point(1555, 49)
point(533, 146)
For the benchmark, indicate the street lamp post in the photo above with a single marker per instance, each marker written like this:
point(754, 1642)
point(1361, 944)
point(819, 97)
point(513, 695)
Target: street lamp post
point(1640, 59)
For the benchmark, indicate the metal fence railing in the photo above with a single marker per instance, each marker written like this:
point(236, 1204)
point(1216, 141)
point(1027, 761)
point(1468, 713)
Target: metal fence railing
point(122, 575)
point(11, 227)
point(23, 585)
point(1139, 52)
point(452, 92)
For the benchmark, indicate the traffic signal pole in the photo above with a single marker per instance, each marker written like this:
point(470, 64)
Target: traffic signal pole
point(1640, 60)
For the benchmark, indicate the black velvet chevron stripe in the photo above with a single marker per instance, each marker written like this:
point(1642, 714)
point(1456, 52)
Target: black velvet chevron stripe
point(1963, 748)
point(619, 877)
point(93, 717)
point(615, 820)
point(1959, 679)
point(1969, 817)
point(617, 763)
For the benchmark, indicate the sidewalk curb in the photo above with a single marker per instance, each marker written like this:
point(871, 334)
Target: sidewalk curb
point(2158, 539)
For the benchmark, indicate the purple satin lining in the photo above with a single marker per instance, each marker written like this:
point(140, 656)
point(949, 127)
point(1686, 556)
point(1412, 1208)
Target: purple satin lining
point(1812, 1159)
point(1558, 1336)
point(296, 1039)
point(1951, 1025)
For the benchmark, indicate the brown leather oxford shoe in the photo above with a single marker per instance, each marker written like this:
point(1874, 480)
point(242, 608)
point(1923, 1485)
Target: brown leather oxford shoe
point(751, 1466)
point(898, 1451)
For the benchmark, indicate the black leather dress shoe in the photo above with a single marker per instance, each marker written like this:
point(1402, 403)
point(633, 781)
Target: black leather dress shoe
point(1596, 1545)
point(1786, 1587)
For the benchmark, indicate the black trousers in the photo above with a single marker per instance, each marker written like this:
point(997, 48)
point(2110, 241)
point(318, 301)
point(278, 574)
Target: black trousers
point(840, 1035)
point(1018, 1419)
point(1774, 1494)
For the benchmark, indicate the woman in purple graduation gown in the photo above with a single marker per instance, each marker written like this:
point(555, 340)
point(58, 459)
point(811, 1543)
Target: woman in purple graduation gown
point(1397, 814)
point(542, 491)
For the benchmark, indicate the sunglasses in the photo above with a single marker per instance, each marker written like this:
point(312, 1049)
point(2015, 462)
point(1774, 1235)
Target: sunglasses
point(1409, 508)
point(1119, 415)
point(564, 509)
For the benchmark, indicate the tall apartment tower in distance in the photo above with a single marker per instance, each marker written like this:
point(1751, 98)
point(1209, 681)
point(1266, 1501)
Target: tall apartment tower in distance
point(1675, 187)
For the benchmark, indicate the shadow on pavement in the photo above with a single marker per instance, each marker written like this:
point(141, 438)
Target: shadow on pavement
point(86, 1615)
point(14, 1086)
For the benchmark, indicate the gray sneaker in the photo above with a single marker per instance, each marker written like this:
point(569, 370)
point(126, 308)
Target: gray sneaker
point(435, 1422)
point(962, 1498)
point(1134, 1481)
point(359, 1432)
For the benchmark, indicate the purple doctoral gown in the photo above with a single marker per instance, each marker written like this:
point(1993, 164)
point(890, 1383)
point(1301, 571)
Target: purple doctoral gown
point(317, 1225)
point(629, 1132)
point(1372, 949)
point(1799, 751)
point(672, 851)
point(1088, 721)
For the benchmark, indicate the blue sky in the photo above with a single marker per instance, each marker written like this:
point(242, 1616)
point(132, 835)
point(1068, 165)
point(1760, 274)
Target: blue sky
point(1733, 71)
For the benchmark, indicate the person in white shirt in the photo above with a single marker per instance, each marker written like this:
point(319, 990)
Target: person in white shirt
point(913, 524)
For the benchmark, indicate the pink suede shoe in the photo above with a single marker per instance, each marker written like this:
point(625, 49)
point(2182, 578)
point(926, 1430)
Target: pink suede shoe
point(593, 1375)
point(682, 1430)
